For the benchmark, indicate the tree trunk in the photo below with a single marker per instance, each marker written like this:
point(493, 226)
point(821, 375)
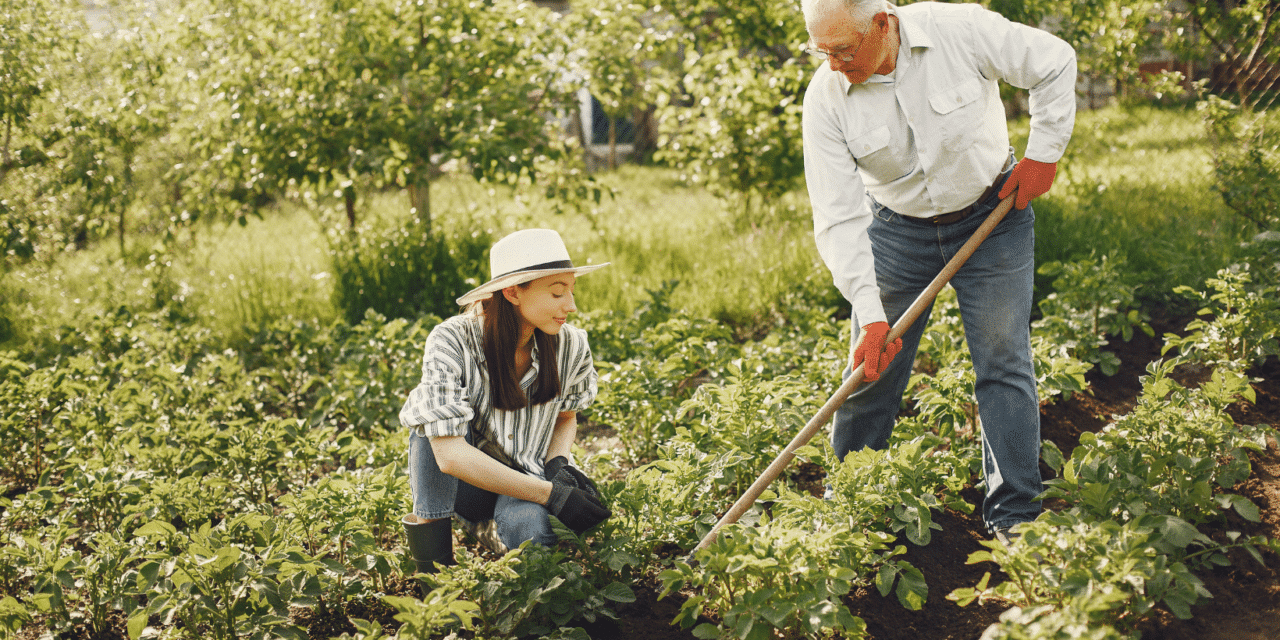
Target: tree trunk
point(613, 143)
point(420, 196)
point(349, 198)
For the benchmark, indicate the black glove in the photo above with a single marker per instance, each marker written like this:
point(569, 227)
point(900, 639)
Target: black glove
point(576, 508)
point(580, 479)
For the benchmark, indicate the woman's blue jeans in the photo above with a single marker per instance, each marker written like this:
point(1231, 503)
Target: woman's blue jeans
point(994, 289)
point(437, 494)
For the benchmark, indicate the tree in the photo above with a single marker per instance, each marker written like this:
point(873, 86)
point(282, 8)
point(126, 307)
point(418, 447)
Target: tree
point(320, 94)
point(1240, 34)
point(35, 36)
point(113, 106)
point(734, 121)
point(622, 50)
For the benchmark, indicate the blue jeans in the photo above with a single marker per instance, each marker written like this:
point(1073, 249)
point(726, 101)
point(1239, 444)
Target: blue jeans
point(437, 494)
point(994, 290)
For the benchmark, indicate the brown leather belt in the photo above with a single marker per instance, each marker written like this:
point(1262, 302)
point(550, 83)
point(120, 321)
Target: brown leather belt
point(961, 214)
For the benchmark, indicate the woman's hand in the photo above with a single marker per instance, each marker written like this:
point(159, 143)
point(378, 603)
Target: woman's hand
point(576, 508)
point(557, 464)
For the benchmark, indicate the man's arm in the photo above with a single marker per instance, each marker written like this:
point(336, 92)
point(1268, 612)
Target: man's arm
point(1041, 63)
point(841, 212)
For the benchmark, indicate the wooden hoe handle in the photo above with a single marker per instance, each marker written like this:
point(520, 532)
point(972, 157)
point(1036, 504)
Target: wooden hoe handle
point(923, 301)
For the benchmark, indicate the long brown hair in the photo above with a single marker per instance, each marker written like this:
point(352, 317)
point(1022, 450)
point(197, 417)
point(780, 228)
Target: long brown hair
point(501, 335)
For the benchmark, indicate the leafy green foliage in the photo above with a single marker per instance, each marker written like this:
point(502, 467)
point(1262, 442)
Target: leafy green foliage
point(1238, 323)
point(771, 581)
point(222, 580)
point(531, 590)
point(1246, 167)
point(403, 270)
point(1091, 301)
point(1165, 457)
point(897, 490)
point(1112, 574)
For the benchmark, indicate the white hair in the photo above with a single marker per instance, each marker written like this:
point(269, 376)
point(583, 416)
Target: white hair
point(860, 10)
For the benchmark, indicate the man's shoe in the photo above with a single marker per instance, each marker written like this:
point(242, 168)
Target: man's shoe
point(1006, 534)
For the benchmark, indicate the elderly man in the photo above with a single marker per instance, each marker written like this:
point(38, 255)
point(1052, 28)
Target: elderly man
point(906, 152)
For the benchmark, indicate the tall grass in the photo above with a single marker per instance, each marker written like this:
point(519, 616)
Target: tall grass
point(1136, 182)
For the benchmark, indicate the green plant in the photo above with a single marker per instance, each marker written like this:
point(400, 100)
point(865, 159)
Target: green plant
point(52, 562)
point(749, 413)
point(768, 581)
point(223, 582)
point(403, 270)
point(1169, 456)
point(531, 590)
point(441, 609)
point(641, 397)
point(898, 489)
point(1091, 301)
point(1114, 573)
point(106, 580)
point(12, 616)
point(670, 503)
point(1046, 622)
point(1238, 326)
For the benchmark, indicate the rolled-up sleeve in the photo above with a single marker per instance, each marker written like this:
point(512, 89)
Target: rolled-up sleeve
point(439, 405)
point(579, 382)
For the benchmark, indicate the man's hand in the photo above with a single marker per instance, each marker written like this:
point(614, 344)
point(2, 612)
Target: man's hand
point(873, 351)
point(1031, 178)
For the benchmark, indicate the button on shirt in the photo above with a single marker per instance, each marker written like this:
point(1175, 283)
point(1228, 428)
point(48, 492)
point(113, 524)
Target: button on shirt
point(930, 137)
point(454, 394)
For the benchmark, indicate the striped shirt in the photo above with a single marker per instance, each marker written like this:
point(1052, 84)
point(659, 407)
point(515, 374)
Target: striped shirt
point(454, 394)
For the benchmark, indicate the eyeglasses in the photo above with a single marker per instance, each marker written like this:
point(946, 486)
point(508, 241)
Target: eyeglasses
point(814, 51)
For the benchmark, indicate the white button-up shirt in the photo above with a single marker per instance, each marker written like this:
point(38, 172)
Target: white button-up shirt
point(930, 137)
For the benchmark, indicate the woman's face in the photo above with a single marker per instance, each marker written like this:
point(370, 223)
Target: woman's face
point(546, 303)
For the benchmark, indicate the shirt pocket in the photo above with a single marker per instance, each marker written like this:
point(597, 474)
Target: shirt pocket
point(958, 110)
point(869, 142)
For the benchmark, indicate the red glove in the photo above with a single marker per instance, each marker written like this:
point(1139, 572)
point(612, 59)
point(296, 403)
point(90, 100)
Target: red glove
point(872, 349)
point(1031, 178)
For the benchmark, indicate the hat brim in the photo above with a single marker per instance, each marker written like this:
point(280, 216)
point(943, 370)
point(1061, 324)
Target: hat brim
point(520, 277)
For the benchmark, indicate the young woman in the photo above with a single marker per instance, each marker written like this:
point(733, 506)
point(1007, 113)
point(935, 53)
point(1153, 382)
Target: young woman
point(496, 412)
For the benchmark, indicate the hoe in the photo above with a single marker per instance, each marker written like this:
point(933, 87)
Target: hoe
point(855, 379)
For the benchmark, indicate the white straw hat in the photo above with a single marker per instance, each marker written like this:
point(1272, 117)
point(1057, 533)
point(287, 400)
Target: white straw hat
point(525, 255)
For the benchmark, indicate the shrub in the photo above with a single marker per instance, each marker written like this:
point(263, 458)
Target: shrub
point(404, 271)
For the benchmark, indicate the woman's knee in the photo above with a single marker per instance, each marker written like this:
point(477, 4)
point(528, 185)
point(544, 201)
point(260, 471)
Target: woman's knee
point(519, 521)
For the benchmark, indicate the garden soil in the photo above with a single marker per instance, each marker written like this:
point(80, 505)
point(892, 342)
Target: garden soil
point(1246, 596)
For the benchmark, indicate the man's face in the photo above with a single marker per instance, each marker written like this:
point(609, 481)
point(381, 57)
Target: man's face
point(841, 37)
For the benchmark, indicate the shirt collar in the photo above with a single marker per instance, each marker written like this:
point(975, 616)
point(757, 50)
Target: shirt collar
point(912, 35)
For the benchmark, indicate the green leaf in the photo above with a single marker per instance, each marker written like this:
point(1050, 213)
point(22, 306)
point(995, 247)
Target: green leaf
point(1246, 508)
point(706, 631)
point(1178, 532)
point(137, 623)
point(885, 578)
point(618, 592)
point(912, 591)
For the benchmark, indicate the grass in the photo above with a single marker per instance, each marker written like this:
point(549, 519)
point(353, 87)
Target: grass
point(1136, 182)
